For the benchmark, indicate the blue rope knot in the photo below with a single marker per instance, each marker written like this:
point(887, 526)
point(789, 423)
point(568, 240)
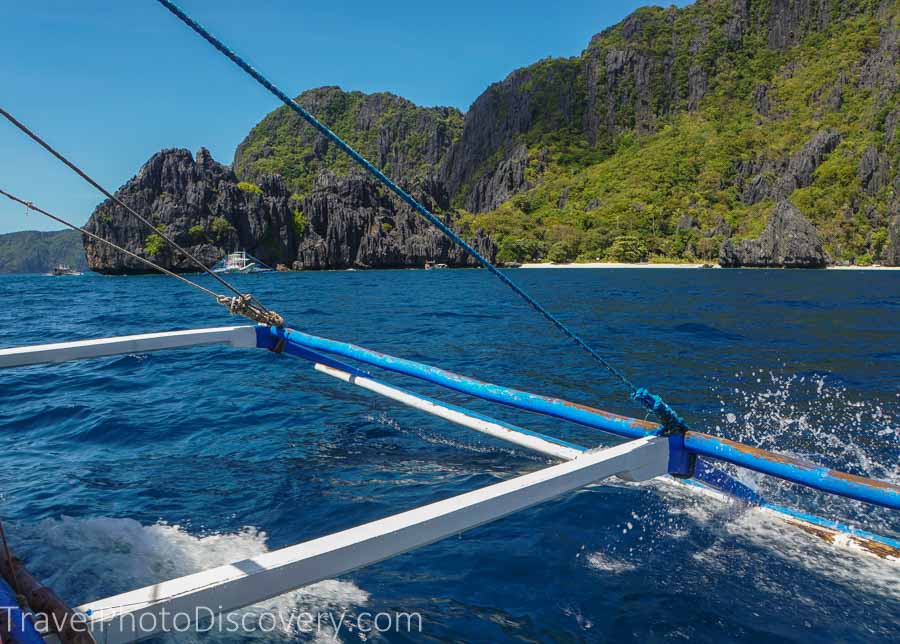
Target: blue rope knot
point(671, 421)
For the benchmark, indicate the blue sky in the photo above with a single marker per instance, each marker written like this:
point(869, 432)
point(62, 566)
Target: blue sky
point(111, 82)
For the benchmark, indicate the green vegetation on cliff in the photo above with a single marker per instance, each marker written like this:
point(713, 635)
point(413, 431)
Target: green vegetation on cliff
point(674, 131)
point(246, 186)
point(403, 139)
point(656, 160)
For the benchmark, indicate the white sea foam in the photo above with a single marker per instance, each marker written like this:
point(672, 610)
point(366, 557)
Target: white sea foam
point(608, 564)
point(808, 417)
point(85, 559)
point(811, 417)
point(780, 541)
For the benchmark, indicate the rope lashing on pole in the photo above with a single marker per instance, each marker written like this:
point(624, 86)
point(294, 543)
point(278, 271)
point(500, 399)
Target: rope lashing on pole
point(241, 304)
point(672, 423)
point(413, 203)
point(236, 305)
point(244, 305)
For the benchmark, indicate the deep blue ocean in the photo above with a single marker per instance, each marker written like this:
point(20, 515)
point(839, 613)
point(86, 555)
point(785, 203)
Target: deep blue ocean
point(125, 471)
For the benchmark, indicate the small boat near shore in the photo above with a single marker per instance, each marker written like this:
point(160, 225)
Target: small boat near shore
point(63, 269)
point(433, 266)
point(241, 262)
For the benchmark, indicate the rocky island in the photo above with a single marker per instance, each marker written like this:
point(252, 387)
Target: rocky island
point(748, 132)
point(343, 222)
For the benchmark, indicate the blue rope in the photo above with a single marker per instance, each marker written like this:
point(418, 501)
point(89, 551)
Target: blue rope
point(671, 421)
point(658, 408)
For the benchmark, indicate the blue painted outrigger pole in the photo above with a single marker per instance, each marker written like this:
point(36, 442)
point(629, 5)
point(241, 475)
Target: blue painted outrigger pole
point(269, 337)
point(686, 447)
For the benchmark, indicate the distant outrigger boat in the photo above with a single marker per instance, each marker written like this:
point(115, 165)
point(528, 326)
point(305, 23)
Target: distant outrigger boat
point(64, 269)
point(430, 266)
point(241, 262)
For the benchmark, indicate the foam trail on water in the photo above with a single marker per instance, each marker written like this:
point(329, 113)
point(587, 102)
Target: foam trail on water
point(85, 559)
point(806, 416)
point(735, 523)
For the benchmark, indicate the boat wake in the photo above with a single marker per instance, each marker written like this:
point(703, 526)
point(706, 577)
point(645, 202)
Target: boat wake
point(730, 544)
point(722, 552)
point(84, 559)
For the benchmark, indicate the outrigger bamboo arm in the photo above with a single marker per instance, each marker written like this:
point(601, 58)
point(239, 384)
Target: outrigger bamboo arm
point(120, 619)
point(789, 468)
point(304, 345)
point(706, 477)
point(269, 337)
point(235, 336)
point(795, 469)
point(504, 431)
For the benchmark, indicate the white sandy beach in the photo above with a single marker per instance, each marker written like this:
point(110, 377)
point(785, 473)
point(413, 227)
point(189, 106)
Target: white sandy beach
point(612, 265)
point(863, 268)
point(648, 265)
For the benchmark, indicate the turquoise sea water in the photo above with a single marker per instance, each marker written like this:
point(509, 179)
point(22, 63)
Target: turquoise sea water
point(125, 471)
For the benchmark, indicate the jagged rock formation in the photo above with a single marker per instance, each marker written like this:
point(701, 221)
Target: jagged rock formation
point(892, 248)
point(487, 165)
point(197, 203)
point(352, 223)
point(495, 187)
point(777, 179)
point(874, 170)
point(788, 241)
point(201, 205)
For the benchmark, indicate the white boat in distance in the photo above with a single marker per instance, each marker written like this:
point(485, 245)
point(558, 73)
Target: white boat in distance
point(241, 262)
point(64, 269)
point(430, 266)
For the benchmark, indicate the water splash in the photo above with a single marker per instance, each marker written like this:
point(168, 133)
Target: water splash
point(813, 417)
point(608, 564)
point(85, 559)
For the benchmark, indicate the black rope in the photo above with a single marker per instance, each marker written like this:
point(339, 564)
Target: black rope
point(31, 206)
point(122, 205)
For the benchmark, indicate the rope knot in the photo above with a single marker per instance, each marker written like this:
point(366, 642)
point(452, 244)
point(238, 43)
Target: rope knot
point(672, 423)
point(245, 306)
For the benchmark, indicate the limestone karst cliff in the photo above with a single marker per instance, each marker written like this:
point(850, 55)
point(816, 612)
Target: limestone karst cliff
point(679, 133)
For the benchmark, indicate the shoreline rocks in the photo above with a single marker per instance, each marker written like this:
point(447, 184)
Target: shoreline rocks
point(788, 241)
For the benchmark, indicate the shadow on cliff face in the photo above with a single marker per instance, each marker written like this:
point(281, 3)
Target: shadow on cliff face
point(343, 222)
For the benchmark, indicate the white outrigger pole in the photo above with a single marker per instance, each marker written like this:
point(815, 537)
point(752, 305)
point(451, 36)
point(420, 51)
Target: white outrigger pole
point(649, 454)
point(142, 613)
